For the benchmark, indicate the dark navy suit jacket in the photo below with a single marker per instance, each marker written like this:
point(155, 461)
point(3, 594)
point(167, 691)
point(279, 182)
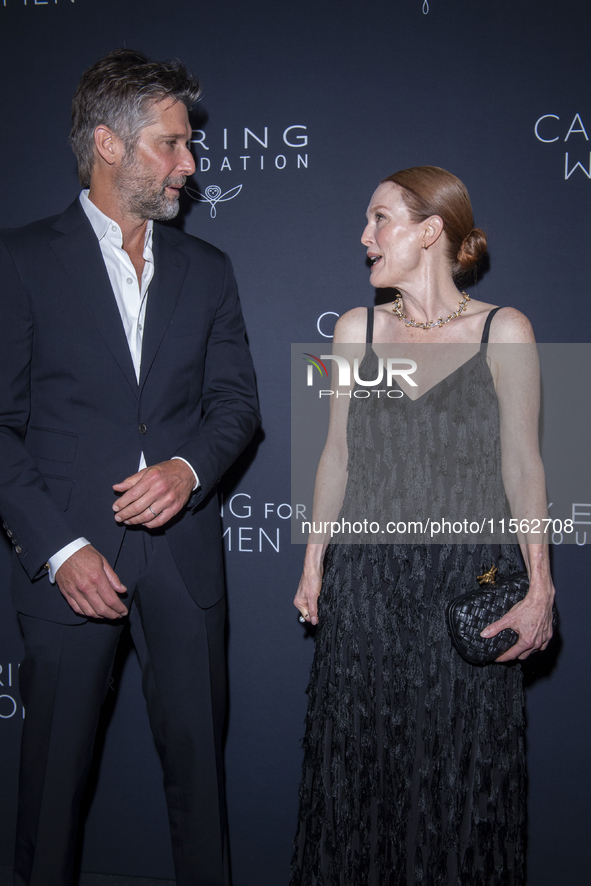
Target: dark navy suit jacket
point(73, 419)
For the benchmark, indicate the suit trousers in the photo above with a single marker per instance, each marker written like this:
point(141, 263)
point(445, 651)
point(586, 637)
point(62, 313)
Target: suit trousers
point(63, 680)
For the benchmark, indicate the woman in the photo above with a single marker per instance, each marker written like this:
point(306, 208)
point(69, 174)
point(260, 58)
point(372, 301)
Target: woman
point(414, 768)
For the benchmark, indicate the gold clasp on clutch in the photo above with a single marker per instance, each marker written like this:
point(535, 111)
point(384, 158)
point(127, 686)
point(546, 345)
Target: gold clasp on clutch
point(489, 577)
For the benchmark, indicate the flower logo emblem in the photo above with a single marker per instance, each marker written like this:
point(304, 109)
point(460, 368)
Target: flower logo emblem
point(213, 195)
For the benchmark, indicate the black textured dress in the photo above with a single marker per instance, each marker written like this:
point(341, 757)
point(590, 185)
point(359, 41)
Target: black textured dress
point(414, 765)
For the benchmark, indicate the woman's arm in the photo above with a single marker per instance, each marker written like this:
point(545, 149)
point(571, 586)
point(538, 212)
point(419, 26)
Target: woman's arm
point(515, 368)
point(331, 477)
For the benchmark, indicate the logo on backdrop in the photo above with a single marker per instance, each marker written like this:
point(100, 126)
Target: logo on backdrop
point(10, 705)
point(248, 151)
point(552, 128)
point(269, 523)
point(252, 152)
point(213, 194)
point(322, 325)
point(578, 511)
point(34, 2)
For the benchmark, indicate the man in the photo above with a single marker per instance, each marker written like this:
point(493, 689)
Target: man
point(127, 390)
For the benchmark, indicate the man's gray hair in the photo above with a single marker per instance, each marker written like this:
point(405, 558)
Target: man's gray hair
point(118, 91)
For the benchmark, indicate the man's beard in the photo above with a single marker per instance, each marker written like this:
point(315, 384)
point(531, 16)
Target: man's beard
point(145, 198)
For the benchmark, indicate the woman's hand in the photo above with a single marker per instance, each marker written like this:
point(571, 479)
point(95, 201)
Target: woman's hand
point(531, 618)
point(306, 598)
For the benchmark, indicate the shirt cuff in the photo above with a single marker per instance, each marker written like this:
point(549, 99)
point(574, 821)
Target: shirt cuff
point(197, 483)
point(58, 559)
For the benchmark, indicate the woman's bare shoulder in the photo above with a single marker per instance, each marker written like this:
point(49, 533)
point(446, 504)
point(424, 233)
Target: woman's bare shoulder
point(510, 326)
point(351, 327)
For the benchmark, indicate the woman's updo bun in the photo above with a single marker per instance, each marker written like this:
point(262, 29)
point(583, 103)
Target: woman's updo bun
point(473, 248)
point(429, 190)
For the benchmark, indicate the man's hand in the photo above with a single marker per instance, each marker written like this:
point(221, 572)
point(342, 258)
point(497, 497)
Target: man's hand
point(90, 586)
point(154, 495)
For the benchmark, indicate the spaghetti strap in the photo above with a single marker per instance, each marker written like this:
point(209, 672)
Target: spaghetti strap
point(369, 332)
point(486, 330)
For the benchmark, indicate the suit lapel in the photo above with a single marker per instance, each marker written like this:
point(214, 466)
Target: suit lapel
point(79, 252)
point(170, 270)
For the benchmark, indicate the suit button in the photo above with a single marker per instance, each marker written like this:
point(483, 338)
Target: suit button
point(18, 549)
point(5, 526)
point(143, 428)
point(9, 533)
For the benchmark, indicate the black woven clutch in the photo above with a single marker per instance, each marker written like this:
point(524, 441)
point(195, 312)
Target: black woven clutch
point(470, 613)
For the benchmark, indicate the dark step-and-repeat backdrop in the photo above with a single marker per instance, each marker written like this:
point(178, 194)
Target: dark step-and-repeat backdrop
point(306, 106)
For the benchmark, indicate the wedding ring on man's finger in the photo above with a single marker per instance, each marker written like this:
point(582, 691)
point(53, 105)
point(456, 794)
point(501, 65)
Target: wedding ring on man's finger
point(155, 514)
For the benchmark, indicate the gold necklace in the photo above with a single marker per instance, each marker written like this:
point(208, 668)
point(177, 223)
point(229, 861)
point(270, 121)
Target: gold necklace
point(397, 309)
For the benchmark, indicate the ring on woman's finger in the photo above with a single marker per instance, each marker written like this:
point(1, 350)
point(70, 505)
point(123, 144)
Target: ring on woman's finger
point(302, 618)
